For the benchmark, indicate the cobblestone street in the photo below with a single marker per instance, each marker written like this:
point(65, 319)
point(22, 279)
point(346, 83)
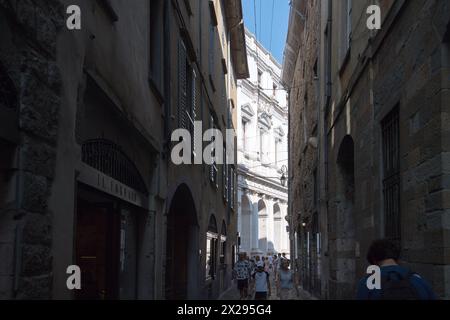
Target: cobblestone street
point(233, 293)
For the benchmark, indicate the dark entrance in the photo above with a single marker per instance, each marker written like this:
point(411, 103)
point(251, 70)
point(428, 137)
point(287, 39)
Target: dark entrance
point(109, 222)
point(107, 245)
point(345, 220)
point(97, 240)
point(182, 261)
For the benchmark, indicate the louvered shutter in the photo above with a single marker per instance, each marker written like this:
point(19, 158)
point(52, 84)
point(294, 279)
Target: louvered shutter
point(182, 87)
point(211, 172)
point(224, 176)
point(194, 106)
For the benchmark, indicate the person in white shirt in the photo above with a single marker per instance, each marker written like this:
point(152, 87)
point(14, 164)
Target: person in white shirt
point(262, 283)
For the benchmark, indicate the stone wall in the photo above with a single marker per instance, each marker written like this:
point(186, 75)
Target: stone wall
point(406, 64)
point(304, 129)
point(28, 52)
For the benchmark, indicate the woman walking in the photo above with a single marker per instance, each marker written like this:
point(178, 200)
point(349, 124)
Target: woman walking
point(285, 281)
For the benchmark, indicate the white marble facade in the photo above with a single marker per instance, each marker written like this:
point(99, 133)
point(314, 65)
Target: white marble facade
point(262, 121)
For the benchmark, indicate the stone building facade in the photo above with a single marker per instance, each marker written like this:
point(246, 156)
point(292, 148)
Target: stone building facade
point(262, 154)
point(86, 118)
point(369, 160)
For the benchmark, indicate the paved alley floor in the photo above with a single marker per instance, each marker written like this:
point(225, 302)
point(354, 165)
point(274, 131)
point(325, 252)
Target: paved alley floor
point(233, 293)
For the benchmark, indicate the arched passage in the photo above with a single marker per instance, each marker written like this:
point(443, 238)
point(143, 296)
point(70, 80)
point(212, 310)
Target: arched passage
point(246, 224)
point(277, 225)
point(181, 280)
point(345, 219)
point(262, 226)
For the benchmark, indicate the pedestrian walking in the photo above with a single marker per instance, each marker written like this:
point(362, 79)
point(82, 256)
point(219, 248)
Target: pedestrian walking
point(275, 265)
point(286, 281)
point(397, 282)
point(262, 283)
point(242, 272)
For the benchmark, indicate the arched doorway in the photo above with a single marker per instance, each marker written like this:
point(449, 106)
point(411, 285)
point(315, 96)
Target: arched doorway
point(345, 222)
point(181, 279)
point(277, 225)
point(262, 226)
point(246, 224)
point(110, 206)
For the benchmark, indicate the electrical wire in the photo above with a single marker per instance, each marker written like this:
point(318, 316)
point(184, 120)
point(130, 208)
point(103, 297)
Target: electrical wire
point(271, 25)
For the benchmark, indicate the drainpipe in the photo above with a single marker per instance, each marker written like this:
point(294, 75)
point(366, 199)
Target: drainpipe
point(290, 168)
point(324, 205)
point(166, 145)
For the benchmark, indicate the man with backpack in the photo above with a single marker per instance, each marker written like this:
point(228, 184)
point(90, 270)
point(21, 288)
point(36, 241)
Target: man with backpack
point(262, 282)
point(397, 282)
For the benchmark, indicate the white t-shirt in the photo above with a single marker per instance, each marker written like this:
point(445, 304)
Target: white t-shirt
point(261, 281)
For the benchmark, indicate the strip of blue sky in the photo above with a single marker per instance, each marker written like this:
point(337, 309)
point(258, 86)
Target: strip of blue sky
point(272, 37)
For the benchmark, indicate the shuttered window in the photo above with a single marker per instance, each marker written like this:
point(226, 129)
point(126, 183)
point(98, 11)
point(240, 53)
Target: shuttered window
point(183, 121)
point(225, 176)
point(391, 175)
point(193, 110)
point(232, 182)
point(213, 167)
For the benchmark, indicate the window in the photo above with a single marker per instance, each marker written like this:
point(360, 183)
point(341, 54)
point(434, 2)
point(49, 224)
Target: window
point(211, 249)
point(259, 78)
point(225, 176)
point(316, 189)
point(213, 168)
point(275, 88)
point(328, 58)
point(315, 70)
point(261, 144)
point(277, 150)
point(391, 175)
point(212, 39)
point(232, 182)
point(244, 135)
point(156, 45)
point(346, 34)
point(223, 244)
point(194, 113)
point(183, 87)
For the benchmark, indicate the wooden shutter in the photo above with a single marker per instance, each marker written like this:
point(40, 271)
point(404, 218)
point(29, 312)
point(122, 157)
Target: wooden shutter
point(182, 86)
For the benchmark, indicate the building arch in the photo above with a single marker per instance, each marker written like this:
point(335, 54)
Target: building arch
point(182, 247)
point(277, 226)
point(345, 217)
point(246, 223)
point(108, 158)
point(262, 226)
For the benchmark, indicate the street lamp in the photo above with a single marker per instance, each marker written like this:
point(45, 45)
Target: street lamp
point(283, 178)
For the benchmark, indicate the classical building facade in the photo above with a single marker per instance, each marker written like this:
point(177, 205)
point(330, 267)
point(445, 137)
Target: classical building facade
point(369, 139)
point(262, 155)
point(85, 142)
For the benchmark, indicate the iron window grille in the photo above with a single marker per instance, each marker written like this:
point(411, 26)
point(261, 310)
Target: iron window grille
point(109, 159)
point(391, 175)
